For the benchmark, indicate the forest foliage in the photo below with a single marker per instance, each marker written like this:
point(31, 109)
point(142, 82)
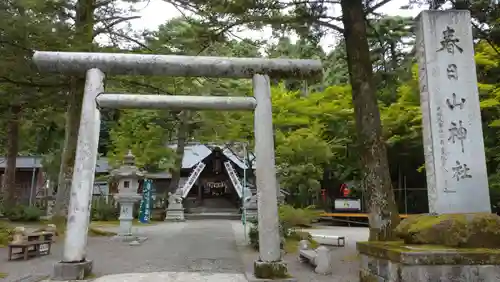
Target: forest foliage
point(316, 146)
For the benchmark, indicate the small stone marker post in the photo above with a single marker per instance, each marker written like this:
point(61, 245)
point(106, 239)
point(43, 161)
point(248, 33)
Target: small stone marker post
point(453, 138)
point(128, 176)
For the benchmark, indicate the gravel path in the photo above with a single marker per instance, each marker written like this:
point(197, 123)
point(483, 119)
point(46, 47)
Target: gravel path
point(197, 246)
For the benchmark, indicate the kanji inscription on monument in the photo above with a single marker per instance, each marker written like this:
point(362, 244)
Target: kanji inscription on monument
point(453, 138)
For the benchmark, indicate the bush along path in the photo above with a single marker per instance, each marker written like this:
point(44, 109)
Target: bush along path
point(5, 234)
point(290, 219)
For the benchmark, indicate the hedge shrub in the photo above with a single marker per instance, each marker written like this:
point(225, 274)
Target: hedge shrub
point(23, 213)
point(5, 234)
point(289, 219)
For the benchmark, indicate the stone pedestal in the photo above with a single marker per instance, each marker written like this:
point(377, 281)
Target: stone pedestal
point(276, 271)
point(251, 214)
point(250, 207)
point(126, 212)
point(397, 262)
point(175, 210)
point(175, 213)
point(64, 271)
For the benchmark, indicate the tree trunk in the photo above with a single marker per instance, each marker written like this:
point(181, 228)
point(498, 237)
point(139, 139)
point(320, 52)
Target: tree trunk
point(383, 216)
point(12, 151)
point(84, 28)
point(182, 134)
point(394, 75)
point(72, 126)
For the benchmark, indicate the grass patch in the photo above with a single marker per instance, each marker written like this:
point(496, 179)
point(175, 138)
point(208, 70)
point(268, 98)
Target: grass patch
point(95, 232)
point(24, 223)
point(5, 234)
point(3, 275)
point(90, 276)
point(135, 222)
point(105, 223)
point(291, 245)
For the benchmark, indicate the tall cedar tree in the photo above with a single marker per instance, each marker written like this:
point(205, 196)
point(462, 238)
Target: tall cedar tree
point(383, 214)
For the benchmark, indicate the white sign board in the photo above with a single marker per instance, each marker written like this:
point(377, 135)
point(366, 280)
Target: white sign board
point(44, 248)
point(347, 204)
point(452, 130)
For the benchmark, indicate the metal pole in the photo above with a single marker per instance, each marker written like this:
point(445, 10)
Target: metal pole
point(244, 188)
point(174, 65)
point(32, 184)
point(84, 171)
point(406, 198)
point(269, 238)
point(150, 101)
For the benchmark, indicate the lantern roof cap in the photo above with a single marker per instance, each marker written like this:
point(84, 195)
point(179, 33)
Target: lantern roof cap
point(128, 169)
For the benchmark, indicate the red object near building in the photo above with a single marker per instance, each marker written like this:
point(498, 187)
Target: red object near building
point(323, 194)
point(344, 190)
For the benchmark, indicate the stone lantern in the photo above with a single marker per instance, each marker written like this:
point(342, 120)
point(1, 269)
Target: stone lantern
point(127, 176)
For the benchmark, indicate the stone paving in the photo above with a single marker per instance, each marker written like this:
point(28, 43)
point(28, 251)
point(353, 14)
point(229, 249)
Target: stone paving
point(204, 250)
point(173, 277)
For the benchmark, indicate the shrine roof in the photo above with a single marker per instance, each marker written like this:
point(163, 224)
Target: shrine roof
point(193, 154)
point(196, 152)
point(24, 162)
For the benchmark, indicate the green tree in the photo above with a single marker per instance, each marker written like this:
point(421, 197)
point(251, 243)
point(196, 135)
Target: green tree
point(300, 157)
point(141, 132)
point(25, 26)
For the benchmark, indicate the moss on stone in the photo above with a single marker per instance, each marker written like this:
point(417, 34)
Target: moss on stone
point(398, 251)
point(365, 276)
point(479, 230)
point(270, 270)
point(5, 234)
point(3, 275)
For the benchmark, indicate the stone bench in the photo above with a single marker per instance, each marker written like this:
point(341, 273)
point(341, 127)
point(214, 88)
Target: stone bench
point(320, 257)
point(332, 240)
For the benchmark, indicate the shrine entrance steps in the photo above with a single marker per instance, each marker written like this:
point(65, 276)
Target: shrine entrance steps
point(213, 215)
point(214, 208)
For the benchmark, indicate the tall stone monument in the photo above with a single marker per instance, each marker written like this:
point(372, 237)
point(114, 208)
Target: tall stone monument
point(460, 239)
point(455, 164)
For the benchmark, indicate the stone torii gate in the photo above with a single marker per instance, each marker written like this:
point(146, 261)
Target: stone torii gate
point(75, 263)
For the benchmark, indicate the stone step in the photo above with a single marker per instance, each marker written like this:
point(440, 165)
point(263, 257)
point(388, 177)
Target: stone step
point(216, 215)
point(217, 203)
point(213, 210)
